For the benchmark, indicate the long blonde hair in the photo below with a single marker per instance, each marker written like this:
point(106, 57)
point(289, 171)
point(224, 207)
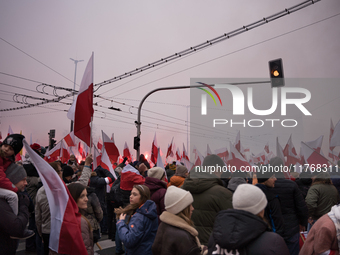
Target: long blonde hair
point(130, 209)
point(185, 215)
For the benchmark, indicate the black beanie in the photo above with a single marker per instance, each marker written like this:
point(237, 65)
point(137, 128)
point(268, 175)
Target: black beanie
point(15, 141)
point(67, 171)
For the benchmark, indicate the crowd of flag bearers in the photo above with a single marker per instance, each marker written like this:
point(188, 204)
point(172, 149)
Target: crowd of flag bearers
point(166, 209)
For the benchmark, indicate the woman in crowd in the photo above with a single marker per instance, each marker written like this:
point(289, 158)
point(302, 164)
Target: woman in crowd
point(79, 194)
point(243, 230)
point(138, 223)
point(176, 233)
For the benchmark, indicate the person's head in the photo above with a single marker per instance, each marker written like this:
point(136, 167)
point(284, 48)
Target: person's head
point(139, 195)
point(79, 194)
point(179, 202)
point(73, 158)
point(266, 178)
point(67, 174)
point(249, 198)
point(182, 171)
point(57, 168)
point(142, 168)
point(36, 147)
point(321, 178)
point(12, 145)
point(277, 162)
point(157, 172)
point(214, 160)
point(17, 175)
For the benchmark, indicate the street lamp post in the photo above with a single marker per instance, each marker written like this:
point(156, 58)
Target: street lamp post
point(74, 83)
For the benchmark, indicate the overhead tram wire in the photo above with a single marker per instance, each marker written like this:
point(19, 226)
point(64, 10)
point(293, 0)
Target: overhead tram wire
point(190, 50)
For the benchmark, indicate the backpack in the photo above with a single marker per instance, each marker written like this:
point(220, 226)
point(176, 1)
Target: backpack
point(115, 194)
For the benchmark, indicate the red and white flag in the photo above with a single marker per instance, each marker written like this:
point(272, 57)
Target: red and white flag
point(100, 144)
point(81, 111)
point(178, 154)
point(53, 154)
point(312, 156)
point(199, 158)
point(185, 155)
point(105, 161)
point(154, 150)
point(290, 152)
point(81, 150)
point(236, 159)
point(65, 218)
point(126, 152)
point(223, 153)
point(169, 151)
point(110, 148)
point(335, 140)
point(266, 148)
point(238, 141)
point(96, 158)
point(64, 155)
point(161, 164)
point(279, 151)
point(316, 144)
point(70, 139)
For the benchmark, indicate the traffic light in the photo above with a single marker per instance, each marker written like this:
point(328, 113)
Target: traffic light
point(136, 143)
point(52, 143)
point(276, 73)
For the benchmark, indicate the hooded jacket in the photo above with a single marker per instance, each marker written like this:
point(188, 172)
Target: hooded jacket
point(210, 197)
point(157, 190)
point(241, 232)
point(139, 235)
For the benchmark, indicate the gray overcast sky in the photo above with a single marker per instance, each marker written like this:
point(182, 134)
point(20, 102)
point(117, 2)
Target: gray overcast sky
point(125, 35)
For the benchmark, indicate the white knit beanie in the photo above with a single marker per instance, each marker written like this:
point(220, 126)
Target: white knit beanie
point(249, 198)
point(177, 199)
point(156, 172)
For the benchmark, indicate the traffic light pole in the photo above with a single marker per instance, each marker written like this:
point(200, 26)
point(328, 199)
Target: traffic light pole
point(138, 122)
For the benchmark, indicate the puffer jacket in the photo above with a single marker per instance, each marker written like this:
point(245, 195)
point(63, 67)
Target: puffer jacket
point(320, 199)
point(139, 235)
point(210, 197)
point(241, 232)
point(175, 237)
point(157, 190)
point(293, 206)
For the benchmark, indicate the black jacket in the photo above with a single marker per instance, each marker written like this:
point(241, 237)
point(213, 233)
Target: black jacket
point(243, 232)
point(11, 224)
point(272, 211)
point(293, 206)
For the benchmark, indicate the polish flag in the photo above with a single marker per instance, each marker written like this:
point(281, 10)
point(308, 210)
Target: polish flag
point(53, 154)
point(208, 150)
point(69, 139)
point(130, 176)
point(185, 155)
point(81, 150)
point(312, 156)
point(238, 142)
point(96, 158)
point(81, 111)
point(110, 148)
point(316, 144)
point(64, 155)
point(65, 216)
point(199, 159)
point(126, 152)
point(237, 159)
point(335, 140)
point(169, 151)
point(106, 162)
point(223, 153)
point(100, 144)
point(154, 150)
point(10, 131)
point(289, 146)
point(178, 154)
point(266, 148)
point(161, 164)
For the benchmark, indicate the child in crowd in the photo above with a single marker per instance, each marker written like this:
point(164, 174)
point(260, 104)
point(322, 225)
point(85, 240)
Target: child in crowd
point(138, 223)
point(11, 146)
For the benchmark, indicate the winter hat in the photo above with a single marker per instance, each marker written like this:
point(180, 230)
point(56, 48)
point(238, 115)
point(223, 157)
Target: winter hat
point(181, 171)
point(15, 173)
point(263, 176)
point(67, 171)
point(177, 199)
point(249, 198)
point(15, 141)
point(172, 167)
point(156, 172)
point(213, 160)
point(35, 146)
point(276, 161)
point(234, 182)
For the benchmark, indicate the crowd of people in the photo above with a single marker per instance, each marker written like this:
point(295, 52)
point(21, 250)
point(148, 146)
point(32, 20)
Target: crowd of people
point(151, 210)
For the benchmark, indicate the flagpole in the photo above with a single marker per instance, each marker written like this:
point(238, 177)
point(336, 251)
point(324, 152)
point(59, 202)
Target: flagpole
point(92, 100)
